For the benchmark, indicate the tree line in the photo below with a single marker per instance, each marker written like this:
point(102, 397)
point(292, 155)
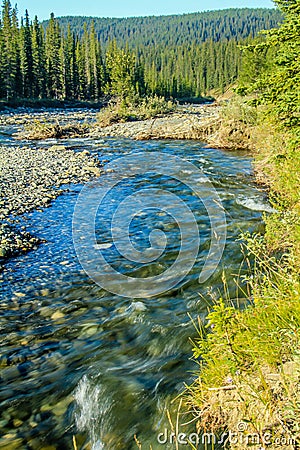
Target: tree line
point(271, 67)
point(56, 62)
point(177, 30)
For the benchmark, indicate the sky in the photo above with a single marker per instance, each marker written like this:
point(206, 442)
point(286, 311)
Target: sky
point(129, 8)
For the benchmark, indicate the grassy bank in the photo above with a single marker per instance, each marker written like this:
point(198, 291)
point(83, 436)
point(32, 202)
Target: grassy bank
point(250, 360)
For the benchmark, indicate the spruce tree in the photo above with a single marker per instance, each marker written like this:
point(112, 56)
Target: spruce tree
point(10, 48)
point(26, 58)
point(53, 59)
point(39, 88)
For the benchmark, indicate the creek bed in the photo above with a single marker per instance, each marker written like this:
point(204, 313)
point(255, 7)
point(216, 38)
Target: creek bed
point(77, 360)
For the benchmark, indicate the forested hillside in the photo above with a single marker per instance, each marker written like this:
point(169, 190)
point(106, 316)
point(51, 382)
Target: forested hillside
point(178, 29)
point(84, 59)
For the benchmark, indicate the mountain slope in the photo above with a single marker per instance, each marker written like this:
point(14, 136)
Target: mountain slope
point(175, 30)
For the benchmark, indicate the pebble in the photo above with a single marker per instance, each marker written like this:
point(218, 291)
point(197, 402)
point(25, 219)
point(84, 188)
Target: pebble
point(56, 148)
point(45, 292)
point(13, 444)
point(61, 407)
point(185, 123)
point(17, 423)
point(3, 423)
point(28, 177)
point(57, 315)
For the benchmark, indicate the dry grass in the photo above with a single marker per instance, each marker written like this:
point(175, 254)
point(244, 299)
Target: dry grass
point(250, 360)
point(43, 130)
point(235, 128)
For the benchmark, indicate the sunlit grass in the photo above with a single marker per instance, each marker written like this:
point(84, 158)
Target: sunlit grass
point(249, 361)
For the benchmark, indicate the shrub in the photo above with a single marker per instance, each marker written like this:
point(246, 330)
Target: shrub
point(139, 109)
point(45, 130)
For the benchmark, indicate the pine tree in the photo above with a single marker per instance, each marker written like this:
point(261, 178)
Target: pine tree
point(81, 73)
point(283, 87)
point(53, 59)
point(69, 61)
point(2, 56)
point(276, 63)
point(10, 48)
point(121, 66)
point(26, 57)
point(39, 87)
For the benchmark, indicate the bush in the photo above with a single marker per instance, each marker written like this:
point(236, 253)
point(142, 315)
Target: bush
point(43, 130)
point(139, 109)
point(235, 127)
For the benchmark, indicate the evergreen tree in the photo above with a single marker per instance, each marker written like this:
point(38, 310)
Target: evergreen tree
point(69, 58)
point(121, 71)
point(53, 59)
point(184, 56)
point(2, 56)
point(10, 48)
point(274, 64)
point(282, 88)
point(26, 59)
point(39, 87)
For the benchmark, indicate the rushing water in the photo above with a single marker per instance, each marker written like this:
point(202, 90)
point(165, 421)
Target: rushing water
point(78, 360)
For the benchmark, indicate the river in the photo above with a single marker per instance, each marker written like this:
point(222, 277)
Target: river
point(96, 359)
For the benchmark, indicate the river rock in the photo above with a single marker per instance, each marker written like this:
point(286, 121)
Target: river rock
point(33, 173)
point(12, 444)
point(57, 315)
point(58, 148)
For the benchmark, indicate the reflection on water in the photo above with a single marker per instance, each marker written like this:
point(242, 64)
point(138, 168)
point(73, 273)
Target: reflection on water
point(77, 360)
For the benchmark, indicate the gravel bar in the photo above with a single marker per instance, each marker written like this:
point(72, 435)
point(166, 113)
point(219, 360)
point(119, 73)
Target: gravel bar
point(30, 179)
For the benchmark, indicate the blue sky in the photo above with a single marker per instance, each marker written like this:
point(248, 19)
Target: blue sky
point(126, 8)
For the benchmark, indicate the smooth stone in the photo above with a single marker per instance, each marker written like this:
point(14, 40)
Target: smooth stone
point(137, 306)
point(91, 169)
point(16, 444)
point(3, 423)
point(45, 311)
point(17, 423)
point(3, 252)
point(57, 315)
point(89, 331)
point(60, 408)
point(45, 292)
point(103, 246)
point(84, 153)
point(56, 148)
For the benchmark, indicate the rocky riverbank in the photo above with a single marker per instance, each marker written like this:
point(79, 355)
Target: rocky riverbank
point(186, 122)
point(193, 122)
point(28, 116)
point(31, 179)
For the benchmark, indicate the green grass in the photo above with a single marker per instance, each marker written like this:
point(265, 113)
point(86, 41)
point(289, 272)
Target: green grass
point(257, 351)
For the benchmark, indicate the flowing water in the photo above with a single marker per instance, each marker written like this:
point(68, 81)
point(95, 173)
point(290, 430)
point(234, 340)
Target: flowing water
point(79, 360)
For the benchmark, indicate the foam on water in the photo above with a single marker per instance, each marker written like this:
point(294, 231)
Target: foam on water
point(89, 400)
point(255, 204)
